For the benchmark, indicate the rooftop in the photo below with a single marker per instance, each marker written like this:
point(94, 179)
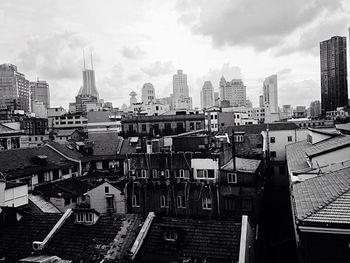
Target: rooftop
point(296, 157)
point(242, 165)
point(324, 199)
point(16, 239)
point(16, 163)
point(215, 241)
point(105, 143)
point(258, 128)
point(64, 188)
point(328, 145)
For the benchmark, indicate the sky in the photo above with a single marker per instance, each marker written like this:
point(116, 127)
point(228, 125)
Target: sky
point(139, 41)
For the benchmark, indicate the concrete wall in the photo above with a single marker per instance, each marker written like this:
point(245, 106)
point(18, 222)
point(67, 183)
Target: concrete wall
point(98, 201)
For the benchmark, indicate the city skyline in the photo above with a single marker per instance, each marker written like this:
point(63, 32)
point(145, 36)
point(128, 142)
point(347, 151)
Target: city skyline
point(141, 42)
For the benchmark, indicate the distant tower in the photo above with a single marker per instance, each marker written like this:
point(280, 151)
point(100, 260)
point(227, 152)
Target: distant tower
point(270, 95)
point(133, 98)
point(89, 85)
point(148, 93)
point(207, 95)
point(222, 85)
point(40, 92)
point(334, 83)
point(181, 91)
point(233, 91)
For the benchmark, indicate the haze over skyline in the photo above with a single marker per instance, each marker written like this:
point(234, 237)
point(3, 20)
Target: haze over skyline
point(135, 42)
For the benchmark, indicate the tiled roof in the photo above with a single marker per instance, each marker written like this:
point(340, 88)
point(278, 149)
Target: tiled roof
point(343, 126)
point(90, 243)
point(296, 157)
point(64, 188)
point(16, 239)
point(66, 149)
point(243, 165)
point(258, 128)
point(324, 199)
point(328, 145)
point(105, 143)
point(20, 162)
point(126, 147)
point(44, 205)
point(216, 241)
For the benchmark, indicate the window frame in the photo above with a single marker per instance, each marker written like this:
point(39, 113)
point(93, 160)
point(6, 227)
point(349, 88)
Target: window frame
point(207, 203)
point(272, 139)
point(135, 201)
point(180, 201)
point(164, 202)
point(234, 176)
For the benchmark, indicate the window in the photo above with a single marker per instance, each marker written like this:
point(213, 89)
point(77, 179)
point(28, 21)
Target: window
point(191, 126)
point(231, 178)
point(30, 139)
point(155, 174)
point(56, 174)
point(239, 138)
point(290, 138)
point(272, 140)
point(273, 154)
point(135, 201)
point(89, 217)
point(143, 127)
point(106, 189)
point(247, 205)
point(181, 174)
point(205, 174)
point(143, 174)
point(230, 204)
point(180, 201)
point(80, 217)
point(65, 171)
point(170, 236)
point(206, 203)
point(163, 202)
point(74, 169)
point(167, 173)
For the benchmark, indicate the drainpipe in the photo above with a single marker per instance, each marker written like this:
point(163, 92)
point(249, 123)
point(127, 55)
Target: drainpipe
point(233, 151)
point(40, 245)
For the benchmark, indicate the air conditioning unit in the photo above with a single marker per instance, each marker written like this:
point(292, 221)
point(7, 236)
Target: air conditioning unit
point(37, 245)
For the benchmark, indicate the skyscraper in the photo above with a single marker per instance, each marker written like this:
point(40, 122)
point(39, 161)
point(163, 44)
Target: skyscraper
point(233, 91)
point(181, 91)
point(315, 109)
point(270, 95)
point(334, 83)
point(207, 95)
point(14, 89)
point(148, 93)
point(39, 91)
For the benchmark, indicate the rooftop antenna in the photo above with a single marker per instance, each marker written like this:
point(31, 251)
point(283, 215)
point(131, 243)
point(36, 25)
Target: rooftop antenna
point(84, 58)
point(92, 60)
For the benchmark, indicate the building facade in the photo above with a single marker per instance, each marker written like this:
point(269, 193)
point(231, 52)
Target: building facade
point(207, 95)
point(148, 93)
point(14, 89)
point(40, 92)
point(181, 91)
point(233, 91)
point(334, 83)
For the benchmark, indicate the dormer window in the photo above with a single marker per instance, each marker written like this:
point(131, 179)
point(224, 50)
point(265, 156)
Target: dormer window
point(232, 178)
point(170, 235)
point(180, 174)
point(86, 217)
point(155, 174)
point(143, 174)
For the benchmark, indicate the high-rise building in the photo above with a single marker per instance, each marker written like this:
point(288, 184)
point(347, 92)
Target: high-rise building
point(148, 93)
point(181, 91)
point(217, 99)
point(39, 91)
point(88, 93)
point(315, 109)
point(261, 101)
point(233, 91)
point(270, 95)
point(14, 89)
point(207, 95)
point(334, 83)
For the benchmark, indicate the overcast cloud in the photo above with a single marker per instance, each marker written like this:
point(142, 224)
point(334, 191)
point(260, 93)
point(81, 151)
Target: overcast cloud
point(134, 42)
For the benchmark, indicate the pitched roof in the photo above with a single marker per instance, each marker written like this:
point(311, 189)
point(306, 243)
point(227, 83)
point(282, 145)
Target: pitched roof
point(127, 147)
point(296, 157)
point(16, 239)
point(91, 243)
point(42, 204)
point(64, 188)
point(324, 199)
point(242, 165)
point(16, 163)
point(66, 149)
point(328, 145)
point(105, 143)
point(217, 241)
